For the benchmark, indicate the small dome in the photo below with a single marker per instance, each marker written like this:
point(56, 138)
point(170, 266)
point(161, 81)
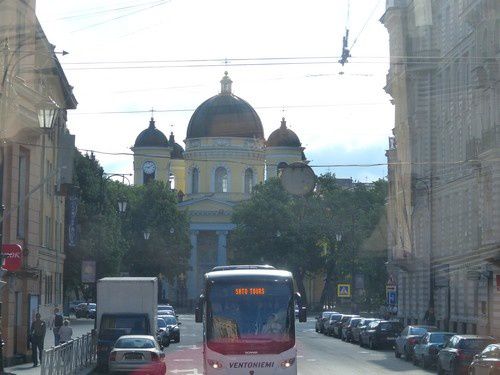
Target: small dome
point(283, 137)
point(151, 137)
point(225, 115)
point(177, 150)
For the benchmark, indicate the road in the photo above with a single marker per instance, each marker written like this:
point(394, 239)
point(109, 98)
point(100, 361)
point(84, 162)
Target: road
point(317, 354)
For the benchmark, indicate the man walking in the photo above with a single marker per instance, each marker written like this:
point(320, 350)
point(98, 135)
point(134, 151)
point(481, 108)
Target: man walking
point(37, 335)
point(56, 324)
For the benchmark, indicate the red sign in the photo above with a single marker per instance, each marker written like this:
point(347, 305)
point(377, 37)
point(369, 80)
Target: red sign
point(13, 254)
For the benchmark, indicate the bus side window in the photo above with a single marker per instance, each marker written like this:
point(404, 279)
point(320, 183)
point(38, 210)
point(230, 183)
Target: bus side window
point(198, 310)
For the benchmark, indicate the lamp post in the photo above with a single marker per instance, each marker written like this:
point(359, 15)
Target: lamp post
point(146, 233)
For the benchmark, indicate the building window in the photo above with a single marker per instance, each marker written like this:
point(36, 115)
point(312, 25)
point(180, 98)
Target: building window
point(221, 182)
point(171, 181)
point(22, 191)
point(58, 298)
point(195, 175)
point(248, 181)
point(48, 231)
point(48, 289)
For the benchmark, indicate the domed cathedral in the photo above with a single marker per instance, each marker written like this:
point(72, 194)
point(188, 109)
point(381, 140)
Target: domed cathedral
point(225, 156)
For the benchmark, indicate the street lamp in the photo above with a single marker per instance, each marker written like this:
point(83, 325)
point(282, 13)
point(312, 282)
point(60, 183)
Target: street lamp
point(338, 237)
point(47, 113)
point(146, 233)
point(172, 230)
point(122, 206)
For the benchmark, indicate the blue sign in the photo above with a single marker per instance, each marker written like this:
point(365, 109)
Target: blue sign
point(392, 297)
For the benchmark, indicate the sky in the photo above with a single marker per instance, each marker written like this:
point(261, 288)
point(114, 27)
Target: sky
point(130, 56)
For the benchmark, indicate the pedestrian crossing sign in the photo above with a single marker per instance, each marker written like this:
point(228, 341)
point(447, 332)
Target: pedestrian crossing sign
point(344, 290)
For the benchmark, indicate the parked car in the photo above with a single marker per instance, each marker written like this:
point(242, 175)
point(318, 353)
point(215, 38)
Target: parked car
point(86, 310)
point(321, 319)
point(348, 326)
point(73, 304)
point(134, 353)
point(426, 351)
point(380, 333)
point(487, 362)
point(166, 310)
point(339, 326)
point(409, 338)
point(330, 323)
point(458, 353)
point(360, 328)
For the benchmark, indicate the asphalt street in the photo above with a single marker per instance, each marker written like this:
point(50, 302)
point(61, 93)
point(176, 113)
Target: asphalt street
point(317, 354)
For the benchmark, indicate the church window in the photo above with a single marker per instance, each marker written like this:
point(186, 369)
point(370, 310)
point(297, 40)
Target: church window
point(248, 181)
point(221, 181)
point(195, 175)
point(171, 181)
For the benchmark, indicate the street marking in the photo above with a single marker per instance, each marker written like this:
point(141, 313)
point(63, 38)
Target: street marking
point(311, 360)
point(183, 360)
point(363, 352)
point(194, 347)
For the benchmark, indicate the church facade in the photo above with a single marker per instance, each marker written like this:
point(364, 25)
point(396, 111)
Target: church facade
point(225, 156)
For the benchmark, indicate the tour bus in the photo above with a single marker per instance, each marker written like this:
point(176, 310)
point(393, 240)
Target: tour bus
point(248, 315)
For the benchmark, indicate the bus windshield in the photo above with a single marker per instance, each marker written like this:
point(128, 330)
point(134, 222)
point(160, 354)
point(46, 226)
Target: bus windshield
point(250, 316)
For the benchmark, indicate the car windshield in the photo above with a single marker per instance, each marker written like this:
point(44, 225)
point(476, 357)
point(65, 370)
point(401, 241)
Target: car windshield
point(474, 344)
point(440, 337)
point(335, 317)
point(134, 343)
point(170, 320)
point(326, 315)
point(419, 331)
point(161, 323)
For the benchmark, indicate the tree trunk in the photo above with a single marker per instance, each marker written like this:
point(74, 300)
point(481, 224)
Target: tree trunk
point(328, 284)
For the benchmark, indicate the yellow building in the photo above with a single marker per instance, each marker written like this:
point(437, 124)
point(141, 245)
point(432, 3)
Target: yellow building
point(226, 155)
point(35, 166)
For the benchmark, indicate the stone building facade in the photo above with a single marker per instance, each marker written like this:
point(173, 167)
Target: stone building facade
point(35, 168)
point(444, 174)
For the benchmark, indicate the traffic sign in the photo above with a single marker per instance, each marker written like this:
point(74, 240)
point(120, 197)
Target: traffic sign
point(344, 290)
point(13, 254)
point(392, 297)
point(390, 288)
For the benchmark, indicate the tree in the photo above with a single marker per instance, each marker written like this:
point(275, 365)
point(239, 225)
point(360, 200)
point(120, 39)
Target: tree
point(153, 208)
point(274, 227)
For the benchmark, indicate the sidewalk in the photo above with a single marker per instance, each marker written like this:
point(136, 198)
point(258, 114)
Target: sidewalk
point(80, 327)
point(28, 369)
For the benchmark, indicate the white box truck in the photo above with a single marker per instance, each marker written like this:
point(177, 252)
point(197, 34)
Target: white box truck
point(125, 306)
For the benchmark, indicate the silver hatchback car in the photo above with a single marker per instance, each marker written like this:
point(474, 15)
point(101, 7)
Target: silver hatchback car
point(137, 353)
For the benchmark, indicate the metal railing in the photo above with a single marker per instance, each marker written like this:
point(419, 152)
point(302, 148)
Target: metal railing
point(69, 357)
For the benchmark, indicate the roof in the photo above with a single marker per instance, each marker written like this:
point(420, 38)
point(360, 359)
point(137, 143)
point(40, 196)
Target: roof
point(225, 115)
point(177, 150)
point(151, 137)
point(247, 273)
point(283, 137)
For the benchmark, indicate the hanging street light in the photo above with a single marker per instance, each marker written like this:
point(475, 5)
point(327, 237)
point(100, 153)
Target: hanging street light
point(47, 113)
point(122, 206)
point(338, 237)
point(146, 233)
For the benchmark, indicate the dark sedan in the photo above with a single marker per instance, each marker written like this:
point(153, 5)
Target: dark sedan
point(331, 323)
point(426, 351)
point(363, 324)
point(380, 333)
point(339, 326)
point(409, 338)
point(322, 319)
point(173, 327)
point(347, 330)
point(459, 351)
point(487, 362)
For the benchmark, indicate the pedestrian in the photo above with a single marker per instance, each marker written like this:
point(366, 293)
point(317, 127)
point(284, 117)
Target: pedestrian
point(37, 336)
point(56, 324)
point(65, 332)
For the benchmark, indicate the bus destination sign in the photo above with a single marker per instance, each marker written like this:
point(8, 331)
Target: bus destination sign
point(249, 291)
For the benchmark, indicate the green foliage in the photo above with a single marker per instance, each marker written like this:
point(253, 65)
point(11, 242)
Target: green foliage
point(308, 228)
point(116, 240)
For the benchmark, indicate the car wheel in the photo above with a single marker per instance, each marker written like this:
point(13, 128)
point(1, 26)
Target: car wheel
point(415, 360)
point(454, 368)
point(407, 355)
point(440, 370)
point(397, 354)
point(177, 339)
point(371, 344)
point(425, 363)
